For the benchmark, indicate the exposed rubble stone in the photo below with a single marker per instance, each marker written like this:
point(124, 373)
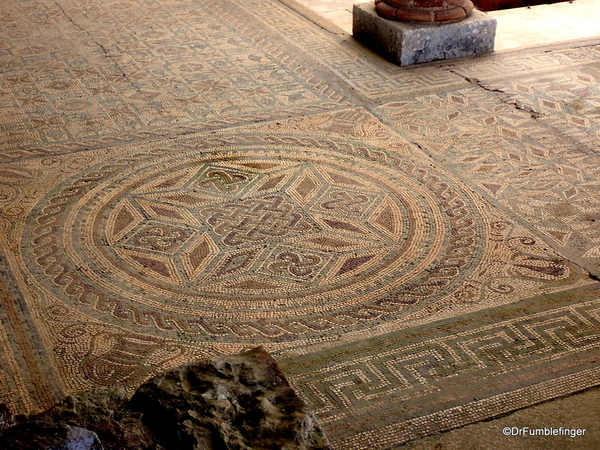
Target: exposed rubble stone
point(239, 402)
point(40, 435)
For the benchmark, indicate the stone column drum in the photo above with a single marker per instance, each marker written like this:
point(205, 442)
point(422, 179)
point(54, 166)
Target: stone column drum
point(424, 10)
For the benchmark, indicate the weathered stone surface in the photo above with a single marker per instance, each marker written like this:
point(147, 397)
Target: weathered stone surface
point(39, 435)
point(231, 402)
point(413, 43)
point(234, 402)
point(6, 418)
point(105, 411)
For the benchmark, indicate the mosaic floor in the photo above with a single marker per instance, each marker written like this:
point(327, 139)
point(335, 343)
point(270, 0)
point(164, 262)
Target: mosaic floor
point(419, 247)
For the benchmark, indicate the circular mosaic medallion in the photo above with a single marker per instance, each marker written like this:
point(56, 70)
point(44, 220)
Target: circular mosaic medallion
point(271, 242)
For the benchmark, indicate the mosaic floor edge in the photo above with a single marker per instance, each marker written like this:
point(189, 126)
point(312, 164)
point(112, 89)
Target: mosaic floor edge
point(426, 362)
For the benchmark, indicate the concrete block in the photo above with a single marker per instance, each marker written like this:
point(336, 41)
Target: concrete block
point(412, 43)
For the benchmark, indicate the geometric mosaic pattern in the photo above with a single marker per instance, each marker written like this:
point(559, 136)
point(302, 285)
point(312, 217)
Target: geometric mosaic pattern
point(343, 241)
point(524, 152)
point(145, 256)
point(80, 75)
point(416, 379)
point(417, 246)
point(205, 244)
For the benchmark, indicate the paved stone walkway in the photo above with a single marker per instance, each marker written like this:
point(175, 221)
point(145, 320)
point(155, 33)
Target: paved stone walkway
point(516, 27)
point(418, 246)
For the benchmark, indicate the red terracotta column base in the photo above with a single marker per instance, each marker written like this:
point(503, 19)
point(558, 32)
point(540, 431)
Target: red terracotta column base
point(424, 10)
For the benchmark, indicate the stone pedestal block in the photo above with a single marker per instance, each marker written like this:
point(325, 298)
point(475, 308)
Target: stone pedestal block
point(406, 43)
